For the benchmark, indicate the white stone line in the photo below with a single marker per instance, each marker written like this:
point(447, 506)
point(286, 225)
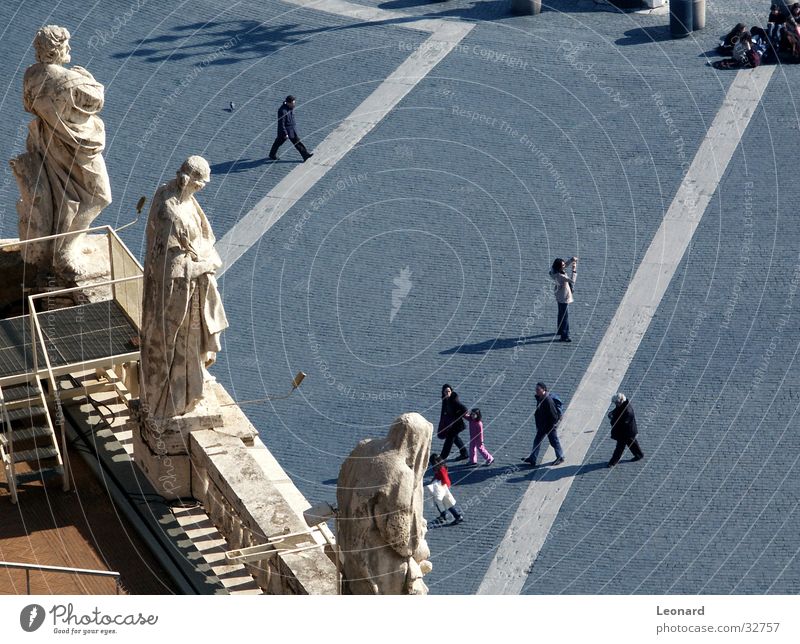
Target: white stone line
point(250, 228)
point(586, 411)
point(371, 14)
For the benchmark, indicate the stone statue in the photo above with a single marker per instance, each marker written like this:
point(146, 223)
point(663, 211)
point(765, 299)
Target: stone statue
point(182, 314)
point(380, 527)
point(62, 177)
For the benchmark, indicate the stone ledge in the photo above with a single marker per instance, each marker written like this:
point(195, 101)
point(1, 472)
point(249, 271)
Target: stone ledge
point(247, 506)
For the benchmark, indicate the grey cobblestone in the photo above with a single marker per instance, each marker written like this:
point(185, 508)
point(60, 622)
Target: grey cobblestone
point(477, 213)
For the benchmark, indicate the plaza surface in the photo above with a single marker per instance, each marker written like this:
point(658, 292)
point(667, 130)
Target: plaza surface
point(420, 257)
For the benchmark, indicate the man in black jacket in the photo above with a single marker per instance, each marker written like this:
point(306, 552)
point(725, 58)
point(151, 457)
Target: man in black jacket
point(623, 429)
point(547, 417)
point(287, 129)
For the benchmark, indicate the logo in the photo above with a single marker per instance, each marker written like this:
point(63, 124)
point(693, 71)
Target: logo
point(403, 284)
point(31, 618)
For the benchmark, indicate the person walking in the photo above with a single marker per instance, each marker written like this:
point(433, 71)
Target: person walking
point(287, 129)
point(451, 423)
point(546, 417)
point(476, 438)
point(443, 498)
point(623, 429)
point(563, 291)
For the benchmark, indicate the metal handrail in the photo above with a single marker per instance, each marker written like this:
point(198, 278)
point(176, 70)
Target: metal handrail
point(33, 240)
point(80, 571)
point(53, 386)
point(113, 233)
point(61, 291)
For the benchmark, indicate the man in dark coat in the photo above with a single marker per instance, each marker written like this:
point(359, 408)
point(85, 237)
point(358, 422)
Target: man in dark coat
point(623, 429)
point(451, 423)
point(287, 129)
point(546, 417)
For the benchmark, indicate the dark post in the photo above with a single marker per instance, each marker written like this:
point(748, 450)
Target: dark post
point(680, 18)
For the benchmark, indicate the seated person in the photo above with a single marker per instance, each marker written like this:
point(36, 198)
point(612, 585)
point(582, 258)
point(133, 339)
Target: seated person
point(748, 49)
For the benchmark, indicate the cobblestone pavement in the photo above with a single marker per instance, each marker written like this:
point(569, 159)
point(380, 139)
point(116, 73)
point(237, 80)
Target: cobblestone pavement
point(421, 258)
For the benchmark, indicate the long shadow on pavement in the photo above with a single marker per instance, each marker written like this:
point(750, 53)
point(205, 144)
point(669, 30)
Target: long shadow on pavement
point(544, 473)
point(466, 475)
point(500, 343)
point(228, 42)
point(239, 165)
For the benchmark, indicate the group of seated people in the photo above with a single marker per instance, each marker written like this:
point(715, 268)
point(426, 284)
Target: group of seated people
point(779, 42)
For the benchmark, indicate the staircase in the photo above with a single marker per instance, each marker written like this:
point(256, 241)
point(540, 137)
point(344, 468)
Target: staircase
point(27, 436)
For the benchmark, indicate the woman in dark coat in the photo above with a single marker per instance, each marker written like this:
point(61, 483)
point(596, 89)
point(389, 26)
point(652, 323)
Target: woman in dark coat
point(451, 423)
point(623, 429)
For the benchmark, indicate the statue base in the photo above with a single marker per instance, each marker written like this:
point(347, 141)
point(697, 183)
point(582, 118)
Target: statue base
point(161, 445)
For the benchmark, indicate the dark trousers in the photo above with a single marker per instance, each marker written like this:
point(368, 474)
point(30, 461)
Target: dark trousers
point(552, 436)
point(448, 445)
point(563, 320)
point(455, 511)
point(281, 139)
point(632, 444)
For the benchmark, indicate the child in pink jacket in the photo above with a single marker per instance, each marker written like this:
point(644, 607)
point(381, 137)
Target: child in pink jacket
point(476, 438)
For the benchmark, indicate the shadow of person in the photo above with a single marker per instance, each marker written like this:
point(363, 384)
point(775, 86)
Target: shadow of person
point(239, 165)
point(545, 472)
point(499, 343)
point(470, 475)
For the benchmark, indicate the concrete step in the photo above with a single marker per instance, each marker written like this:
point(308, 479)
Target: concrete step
point(30, 433)
point(27, 412)
point(213, 546)
point(35, 454)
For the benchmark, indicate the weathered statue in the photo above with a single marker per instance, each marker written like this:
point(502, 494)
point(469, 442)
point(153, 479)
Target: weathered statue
point(182, 314)
point(380, 528)
point(62, 177)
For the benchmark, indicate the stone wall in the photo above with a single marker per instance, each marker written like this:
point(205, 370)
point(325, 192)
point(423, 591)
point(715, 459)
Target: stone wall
point(249, 497)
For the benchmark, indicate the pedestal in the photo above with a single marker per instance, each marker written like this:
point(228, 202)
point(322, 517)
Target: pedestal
point(161, 445)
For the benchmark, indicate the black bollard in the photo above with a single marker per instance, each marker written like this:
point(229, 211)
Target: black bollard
point(680, 18)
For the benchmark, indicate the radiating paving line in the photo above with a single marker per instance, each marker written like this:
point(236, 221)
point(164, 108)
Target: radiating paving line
point(586, 411)
point(446, 35)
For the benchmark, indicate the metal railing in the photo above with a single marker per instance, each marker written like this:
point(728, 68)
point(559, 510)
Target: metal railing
point(126, 289)
point(79, 571)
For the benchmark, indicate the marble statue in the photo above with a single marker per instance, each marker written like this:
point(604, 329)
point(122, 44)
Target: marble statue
point(182, 314)
point(62, 176)
point(380, 528)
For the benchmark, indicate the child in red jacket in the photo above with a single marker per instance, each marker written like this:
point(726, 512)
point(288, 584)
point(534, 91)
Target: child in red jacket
point(440, 490)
